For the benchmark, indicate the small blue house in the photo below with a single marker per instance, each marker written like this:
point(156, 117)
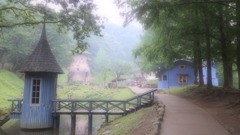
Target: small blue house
point(181, 74)
point(41, 70)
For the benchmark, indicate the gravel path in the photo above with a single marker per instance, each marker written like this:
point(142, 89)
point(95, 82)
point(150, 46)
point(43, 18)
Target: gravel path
point(184, 118)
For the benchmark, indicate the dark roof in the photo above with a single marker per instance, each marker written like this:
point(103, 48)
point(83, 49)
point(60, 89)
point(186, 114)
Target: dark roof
point(182, 62)
point(176, 63)
point(42, 58)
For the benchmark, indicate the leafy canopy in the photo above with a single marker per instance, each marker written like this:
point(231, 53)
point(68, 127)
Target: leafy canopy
point(74, 15)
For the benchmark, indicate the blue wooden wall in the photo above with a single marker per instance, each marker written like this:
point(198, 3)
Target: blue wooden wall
point(40, 116)
point(172, 77)
point(214, 76)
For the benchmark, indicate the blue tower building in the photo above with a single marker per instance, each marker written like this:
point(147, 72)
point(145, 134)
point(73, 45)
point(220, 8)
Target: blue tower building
point(41, 70)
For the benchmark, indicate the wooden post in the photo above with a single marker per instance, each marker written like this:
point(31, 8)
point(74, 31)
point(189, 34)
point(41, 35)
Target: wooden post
point(56, 121)
point(106, 118)
point(153, 96)
point(90, 124)
point(73, 124)
point(124, 108)
point(56, 131)
point(138, 102)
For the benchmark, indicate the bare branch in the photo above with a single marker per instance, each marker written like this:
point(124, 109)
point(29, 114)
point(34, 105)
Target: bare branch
point(26, 23)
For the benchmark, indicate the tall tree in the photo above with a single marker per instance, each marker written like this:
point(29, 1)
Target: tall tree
point(238, 39)
point(74, 15)
point(208, 48)
point(214, 26)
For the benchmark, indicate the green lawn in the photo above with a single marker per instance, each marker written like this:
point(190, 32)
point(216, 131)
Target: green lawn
point(178, 90)
point(88, 92)
point(125, 125)
point(11, 87)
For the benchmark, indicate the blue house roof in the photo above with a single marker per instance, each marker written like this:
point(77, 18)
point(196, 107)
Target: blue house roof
point(181, 74)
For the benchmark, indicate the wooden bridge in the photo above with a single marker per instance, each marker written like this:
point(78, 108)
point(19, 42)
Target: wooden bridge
point(91, 107)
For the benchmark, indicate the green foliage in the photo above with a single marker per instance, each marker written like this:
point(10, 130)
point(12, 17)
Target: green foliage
point(19, 42)
point(120, 68)
point(88, 92)
point(195, 30)
point(126, 124)
point(114, 47)
point(63, 78)
point(178, 90)
point(152, 82)
point(11, 87)
point(73, 15)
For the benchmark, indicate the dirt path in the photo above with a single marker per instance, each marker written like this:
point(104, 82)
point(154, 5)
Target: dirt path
point(185, 118)
point(138, 90)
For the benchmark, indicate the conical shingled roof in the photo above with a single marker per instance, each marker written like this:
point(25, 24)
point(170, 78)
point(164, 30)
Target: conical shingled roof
point(42, 58)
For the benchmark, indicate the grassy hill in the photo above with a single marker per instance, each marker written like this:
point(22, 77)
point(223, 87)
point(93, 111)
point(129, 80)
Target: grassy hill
point(11, 87)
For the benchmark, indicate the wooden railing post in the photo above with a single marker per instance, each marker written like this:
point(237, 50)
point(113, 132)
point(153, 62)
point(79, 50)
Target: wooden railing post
point(106, 115)
point(138, 102)
point(12, 109)
point(124, 107)
point(19, 106)
point(73, 106)
point(59, 105)
point(90, 106)
point(73, 123)
point(153, 96)
point(90, 124)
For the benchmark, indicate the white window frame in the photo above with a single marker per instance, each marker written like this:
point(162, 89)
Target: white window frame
point(40, 85)
point(185, 79)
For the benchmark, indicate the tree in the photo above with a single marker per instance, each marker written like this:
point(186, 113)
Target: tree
point(238, 39)
point(74, 15)
point(174, 19)
point(120, 68)
point(18, 42)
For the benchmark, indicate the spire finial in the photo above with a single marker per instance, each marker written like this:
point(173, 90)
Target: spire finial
point(43, 36)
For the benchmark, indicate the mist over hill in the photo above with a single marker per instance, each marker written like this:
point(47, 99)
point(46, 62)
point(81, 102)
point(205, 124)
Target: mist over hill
point(117, 41)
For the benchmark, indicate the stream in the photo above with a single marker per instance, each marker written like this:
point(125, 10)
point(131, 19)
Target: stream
point(64, 127)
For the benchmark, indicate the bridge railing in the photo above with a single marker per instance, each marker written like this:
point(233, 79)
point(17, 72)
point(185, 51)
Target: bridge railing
point(102, 106)
point(16, 105)
point(137, 101)
point(93, 106)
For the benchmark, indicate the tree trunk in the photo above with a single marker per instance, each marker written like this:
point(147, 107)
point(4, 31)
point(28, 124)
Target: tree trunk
point(208, 51)
point(195, 62)
point(238, 40)
point(198, 50)
point(195, 67)
point(224, 48)
point(230, 75)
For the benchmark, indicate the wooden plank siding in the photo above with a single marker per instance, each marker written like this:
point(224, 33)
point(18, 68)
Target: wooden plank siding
point(38, 116)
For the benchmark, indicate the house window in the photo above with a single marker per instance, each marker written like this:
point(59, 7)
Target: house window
point(164, 78)
point(182, 67)
point(182, 79)
point(35, 96)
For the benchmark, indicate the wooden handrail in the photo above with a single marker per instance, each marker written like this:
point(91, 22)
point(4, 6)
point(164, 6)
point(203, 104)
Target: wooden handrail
point(93, 105)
